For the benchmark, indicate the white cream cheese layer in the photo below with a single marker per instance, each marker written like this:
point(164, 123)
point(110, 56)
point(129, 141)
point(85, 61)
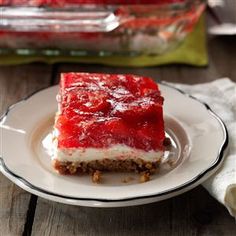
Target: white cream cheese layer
point(115, 152)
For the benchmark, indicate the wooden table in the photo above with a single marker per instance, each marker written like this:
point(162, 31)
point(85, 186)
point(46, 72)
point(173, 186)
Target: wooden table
point(192, 213)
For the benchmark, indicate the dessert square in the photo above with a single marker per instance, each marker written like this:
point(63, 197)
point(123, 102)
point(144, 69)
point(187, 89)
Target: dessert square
point(108, 122)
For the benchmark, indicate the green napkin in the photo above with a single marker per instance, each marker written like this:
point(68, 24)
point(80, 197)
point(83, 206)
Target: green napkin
point(192, 51)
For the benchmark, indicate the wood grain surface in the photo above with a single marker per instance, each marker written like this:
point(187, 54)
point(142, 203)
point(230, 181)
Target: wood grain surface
point(192, 213)
point(16, 83)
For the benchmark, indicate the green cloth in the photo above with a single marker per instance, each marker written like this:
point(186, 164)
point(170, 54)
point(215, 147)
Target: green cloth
point(192, 51)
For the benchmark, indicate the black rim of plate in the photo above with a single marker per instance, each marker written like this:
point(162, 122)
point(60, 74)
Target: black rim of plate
point(189, 183)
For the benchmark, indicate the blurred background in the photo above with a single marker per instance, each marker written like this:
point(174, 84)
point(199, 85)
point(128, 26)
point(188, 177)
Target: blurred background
point(119, 33)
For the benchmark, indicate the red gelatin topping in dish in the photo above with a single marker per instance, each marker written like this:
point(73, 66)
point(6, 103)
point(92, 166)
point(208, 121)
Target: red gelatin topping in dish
point(101, 110)
point(78, 2)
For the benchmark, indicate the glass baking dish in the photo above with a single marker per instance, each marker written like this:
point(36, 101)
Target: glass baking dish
point(95, 27)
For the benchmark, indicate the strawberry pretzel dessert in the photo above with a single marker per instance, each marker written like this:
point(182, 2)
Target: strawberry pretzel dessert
point(108, 122)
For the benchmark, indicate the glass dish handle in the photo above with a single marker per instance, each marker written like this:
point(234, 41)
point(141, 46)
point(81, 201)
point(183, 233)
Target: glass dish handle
point(28, 19)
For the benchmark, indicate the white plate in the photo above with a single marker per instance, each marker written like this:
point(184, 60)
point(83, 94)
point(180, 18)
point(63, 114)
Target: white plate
point(199, 140)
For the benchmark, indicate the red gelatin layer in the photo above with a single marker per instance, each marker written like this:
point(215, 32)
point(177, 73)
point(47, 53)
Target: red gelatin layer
point(101, 110)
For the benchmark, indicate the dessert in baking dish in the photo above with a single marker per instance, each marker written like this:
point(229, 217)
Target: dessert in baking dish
point(79, 28)
point(108, 122)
